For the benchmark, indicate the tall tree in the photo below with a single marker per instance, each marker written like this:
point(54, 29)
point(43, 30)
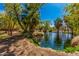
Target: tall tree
point(7, 23)
point(72, 17)
point(26, 16)
point(58, 24)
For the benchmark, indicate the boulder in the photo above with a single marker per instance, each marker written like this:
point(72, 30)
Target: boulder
point(75, 41)
point(36, 33)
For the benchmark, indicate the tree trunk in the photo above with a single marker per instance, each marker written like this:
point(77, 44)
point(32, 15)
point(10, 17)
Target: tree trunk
point(72, 34)
point(58, 37)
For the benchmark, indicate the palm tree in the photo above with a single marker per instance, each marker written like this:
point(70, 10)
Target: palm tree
point(72, 18)
point(32, 18)
point(46, 26)
point(58, 24)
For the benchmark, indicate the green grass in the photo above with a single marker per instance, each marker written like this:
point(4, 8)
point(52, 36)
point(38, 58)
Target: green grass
point(3, 36)
point(34, 41)
point(71, 49)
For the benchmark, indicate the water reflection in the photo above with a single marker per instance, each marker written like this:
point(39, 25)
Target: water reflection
point(55, 41)
point(67, 43)
point(46, 36)
point(58, 42)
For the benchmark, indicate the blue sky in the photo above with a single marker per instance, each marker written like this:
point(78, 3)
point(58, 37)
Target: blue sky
point(49, 11)
point(1, 7)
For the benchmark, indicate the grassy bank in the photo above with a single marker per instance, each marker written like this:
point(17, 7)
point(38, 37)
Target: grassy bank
point(71, 49)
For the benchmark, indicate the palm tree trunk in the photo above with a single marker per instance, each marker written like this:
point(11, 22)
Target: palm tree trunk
point(72, 34)
point(58, 33)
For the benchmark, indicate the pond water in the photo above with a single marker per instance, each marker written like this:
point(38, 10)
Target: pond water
point(51, 40)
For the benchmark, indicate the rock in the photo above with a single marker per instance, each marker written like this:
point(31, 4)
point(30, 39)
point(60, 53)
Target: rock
point(75, 41)
point(19, 53)
point(12, 49)
point(3, 53)
point(3, 48)
point(36, 33)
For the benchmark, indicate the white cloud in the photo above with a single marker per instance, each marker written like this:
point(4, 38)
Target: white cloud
point(2, 11)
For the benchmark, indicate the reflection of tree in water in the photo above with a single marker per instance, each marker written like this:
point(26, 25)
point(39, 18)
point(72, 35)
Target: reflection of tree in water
point(58, 42)
point(67, 43)
point(46, 36)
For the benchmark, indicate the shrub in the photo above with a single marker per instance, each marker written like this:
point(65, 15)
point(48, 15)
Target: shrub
point(36, 42)
point(77, 48)
point(69, 49)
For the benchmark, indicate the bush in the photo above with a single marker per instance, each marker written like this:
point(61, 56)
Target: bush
point(36, 42)
point(77, 48)
point(69, 49)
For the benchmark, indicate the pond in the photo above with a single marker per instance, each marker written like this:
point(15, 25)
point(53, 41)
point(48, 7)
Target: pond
point(51, 40)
